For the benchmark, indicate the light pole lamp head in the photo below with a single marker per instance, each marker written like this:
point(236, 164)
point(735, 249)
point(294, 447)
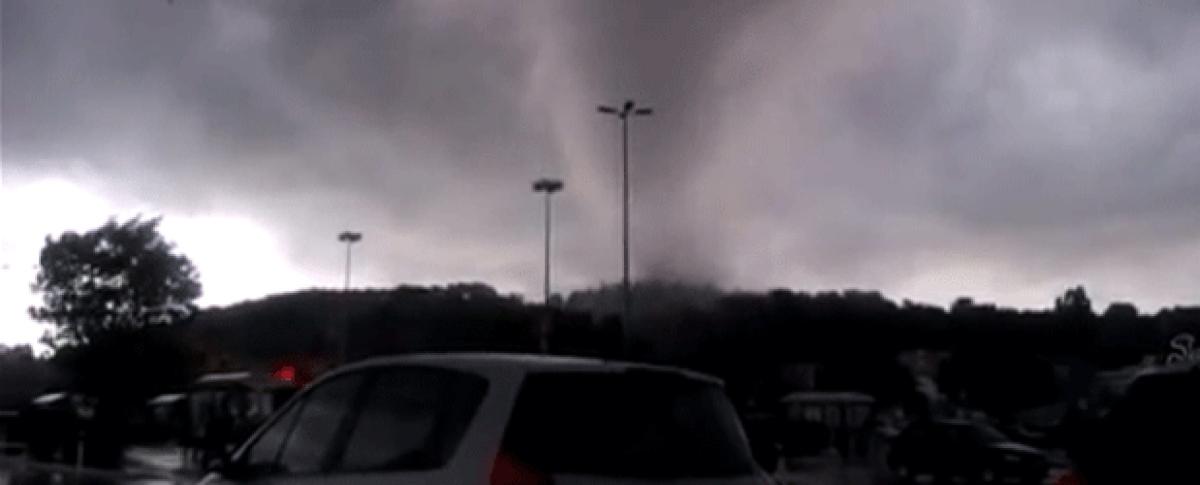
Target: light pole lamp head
point(349, 237)
point(628, 109)
point(547, 185)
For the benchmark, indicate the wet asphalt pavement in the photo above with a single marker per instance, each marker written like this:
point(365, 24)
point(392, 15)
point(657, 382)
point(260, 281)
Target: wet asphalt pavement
point(20, 472)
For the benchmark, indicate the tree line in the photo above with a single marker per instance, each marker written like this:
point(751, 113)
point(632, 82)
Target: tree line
point(119, 303)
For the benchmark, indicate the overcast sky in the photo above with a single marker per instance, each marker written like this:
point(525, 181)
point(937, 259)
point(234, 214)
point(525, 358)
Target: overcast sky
point(1002, 150)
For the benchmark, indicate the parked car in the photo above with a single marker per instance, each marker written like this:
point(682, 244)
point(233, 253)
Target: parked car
point(1149, 435)
point(500, 419)
point(956, 450)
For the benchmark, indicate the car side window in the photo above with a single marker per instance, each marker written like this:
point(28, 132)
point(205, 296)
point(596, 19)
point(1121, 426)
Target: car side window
point(261, 455)
point(322, 415)
point(412, 418)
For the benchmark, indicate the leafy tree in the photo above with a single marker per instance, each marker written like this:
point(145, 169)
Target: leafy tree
point(121, 276)
point(111, 295)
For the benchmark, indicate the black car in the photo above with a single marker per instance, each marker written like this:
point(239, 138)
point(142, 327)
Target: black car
point(1149, 436)
point(962, 451)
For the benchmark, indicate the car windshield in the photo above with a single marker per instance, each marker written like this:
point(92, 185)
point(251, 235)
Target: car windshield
point(626, 425)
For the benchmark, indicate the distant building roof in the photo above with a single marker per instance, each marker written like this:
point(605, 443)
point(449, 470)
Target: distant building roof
point(51, 398)
point(164, 399)
point(245, 379)
point(216, 377)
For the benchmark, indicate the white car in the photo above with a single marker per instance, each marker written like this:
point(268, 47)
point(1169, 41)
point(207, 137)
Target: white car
point(501, 420)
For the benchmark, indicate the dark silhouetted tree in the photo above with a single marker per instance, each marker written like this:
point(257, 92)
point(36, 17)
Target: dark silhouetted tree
point(1123, 335)
point(962, 305)
point(1074, 312)
point(1118, 310)
point(121, 276)
point(1074, 302)
point(111, 295)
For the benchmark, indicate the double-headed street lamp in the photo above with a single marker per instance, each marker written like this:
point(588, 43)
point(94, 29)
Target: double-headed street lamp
point(627, 110)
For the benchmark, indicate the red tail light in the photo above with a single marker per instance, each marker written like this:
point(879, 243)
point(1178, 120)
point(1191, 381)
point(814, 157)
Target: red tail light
point(507, 470)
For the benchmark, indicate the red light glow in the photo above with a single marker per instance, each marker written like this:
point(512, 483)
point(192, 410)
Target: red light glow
point(285, 373)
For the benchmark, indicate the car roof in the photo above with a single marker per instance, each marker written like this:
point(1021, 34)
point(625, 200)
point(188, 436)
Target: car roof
point(527, 363)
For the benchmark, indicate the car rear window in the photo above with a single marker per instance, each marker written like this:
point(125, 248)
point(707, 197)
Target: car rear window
point(631, 424)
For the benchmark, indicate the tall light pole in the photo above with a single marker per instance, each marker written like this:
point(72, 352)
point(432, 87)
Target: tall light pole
point(549, 187)
point(628, 109)
point(349, 238)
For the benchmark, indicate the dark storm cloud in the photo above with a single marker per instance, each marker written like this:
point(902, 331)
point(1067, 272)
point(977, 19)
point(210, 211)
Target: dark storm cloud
point(421, 116)
point(410, 116)
point(1026, 141)
point(925, 149)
